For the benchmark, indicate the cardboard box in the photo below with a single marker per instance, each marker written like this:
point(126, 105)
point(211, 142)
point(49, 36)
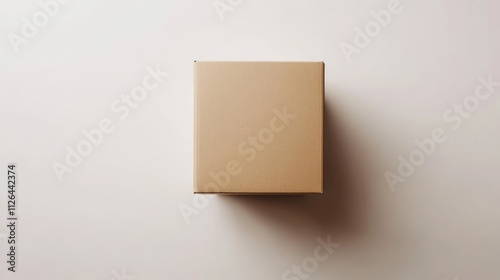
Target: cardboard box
point(258, 127)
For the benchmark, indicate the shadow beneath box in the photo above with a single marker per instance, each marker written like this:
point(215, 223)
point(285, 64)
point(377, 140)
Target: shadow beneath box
point(340, 210)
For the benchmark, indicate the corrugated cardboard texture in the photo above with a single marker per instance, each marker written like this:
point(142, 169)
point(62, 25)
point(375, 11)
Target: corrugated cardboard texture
point(258, 127)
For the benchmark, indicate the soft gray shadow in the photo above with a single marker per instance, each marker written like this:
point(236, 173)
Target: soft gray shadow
point(340, 210)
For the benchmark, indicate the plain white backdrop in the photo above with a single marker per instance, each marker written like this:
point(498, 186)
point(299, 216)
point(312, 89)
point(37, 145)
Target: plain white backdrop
point(116, 215)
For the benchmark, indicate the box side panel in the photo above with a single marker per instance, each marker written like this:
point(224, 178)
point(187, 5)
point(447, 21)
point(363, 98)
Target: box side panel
point(322, 125)
point(196, 131)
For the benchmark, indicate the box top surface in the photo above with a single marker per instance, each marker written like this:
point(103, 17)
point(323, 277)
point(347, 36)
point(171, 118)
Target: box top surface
point(259, 127)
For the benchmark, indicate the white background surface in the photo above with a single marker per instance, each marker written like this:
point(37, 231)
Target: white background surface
point(117, 213)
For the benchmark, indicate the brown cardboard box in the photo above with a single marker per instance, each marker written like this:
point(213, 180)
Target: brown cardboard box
point(258, 127)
